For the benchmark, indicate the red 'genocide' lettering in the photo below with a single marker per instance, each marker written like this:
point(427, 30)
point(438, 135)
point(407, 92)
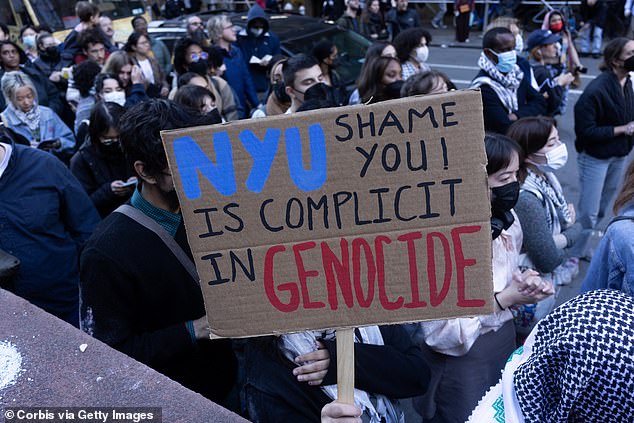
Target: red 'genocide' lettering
point(337, 273)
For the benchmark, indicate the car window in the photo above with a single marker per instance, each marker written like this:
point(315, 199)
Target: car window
point(351, 47)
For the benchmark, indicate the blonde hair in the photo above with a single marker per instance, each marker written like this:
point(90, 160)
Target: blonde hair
point(215, 26)
point(13, 80)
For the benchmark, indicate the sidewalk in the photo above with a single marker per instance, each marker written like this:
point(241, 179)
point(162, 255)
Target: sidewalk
point(446, 38)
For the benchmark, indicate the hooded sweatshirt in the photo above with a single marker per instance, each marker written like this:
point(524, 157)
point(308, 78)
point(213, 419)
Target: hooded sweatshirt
point(264, 44)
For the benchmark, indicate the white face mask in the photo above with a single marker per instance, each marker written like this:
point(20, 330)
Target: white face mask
point(519, 44)
point(555, 159)
point(115, 97)
point(422, 54)
point(256, 32)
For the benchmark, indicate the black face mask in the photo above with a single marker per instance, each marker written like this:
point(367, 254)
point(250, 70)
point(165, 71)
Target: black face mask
point(503, 199)
point(50, 54)
point(280, 92)
point(320, 92)
point(214, 116)
point(111, 151)
point(628, 64)
point(335, 63)
point(199, 67)
point(393, 90)
point(498, 224)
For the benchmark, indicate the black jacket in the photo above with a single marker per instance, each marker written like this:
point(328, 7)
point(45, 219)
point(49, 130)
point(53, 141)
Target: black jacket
point(136, 297)
point(529, 101)
point(545, 76)
point(596, 14)
point(96, 171)
point(374, 26)
point(396, 370)
point(603, 105)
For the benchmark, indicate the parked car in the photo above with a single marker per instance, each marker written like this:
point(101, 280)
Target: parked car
point(297, 33)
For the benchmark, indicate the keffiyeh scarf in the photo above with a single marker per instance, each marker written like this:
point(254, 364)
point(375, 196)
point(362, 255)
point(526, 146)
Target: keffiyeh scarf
point(376, 408)
point(30, 118)
point(576, 366)
point(548, 189)
point(504, 85)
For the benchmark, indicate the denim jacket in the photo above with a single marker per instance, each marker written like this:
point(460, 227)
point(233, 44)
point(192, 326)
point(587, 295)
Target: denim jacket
point(51, 127)
point(613, 262)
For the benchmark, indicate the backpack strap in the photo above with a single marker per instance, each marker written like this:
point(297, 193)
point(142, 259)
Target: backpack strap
point(149, 223)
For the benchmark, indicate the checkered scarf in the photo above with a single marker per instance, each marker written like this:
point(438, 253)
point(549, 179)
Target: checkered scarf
point(504, 85)
point(577, 365)
point(582, 365)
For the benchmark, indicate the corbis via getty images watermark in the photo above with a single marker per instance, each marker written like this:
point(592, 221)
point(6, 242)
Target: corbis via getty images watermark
point(82, 414)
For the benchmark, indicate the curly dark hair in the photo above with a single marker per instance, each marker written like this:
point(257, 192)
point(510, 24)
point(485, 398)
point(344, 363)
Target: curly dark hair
point(84, 76)
point(180, 51)
point(408, 40)
point(90, 36)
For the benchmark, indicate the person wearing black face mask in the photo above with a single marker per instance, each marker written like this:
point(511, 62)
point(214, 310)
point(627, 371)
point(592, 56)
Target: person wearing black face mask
point(468, 354)
point(278, 100)
point(604, 125)
point(99, 165)
point(49, 60)
point(327, 55)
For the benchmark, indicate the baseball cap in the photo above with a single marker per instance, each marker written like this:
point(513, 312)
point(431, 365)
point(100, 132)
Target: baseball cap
point(541, 37)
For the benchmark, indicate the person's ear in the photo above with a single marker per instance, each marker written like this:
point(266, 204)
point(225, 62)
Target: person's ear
point(290, 92)
point(139, 168)
point(492, 57)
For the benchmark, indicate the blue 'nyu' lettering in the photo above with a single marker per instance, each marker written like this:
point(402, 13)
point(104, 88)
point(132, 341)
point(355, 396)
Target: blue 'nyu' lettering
point(190, 160)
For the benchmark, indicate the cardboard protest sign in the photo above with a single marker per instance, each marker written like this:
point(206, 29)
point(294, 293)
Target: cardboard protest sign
point(340, 217)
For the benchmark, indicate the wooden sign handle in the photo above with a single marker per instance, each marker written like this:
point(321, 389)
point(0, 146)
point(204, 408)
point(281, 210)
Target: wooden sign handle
point(345, 365)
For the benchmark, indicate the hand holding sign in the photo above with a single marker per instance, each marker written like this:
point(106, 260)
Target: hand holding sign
point(336, 412)
point(313, 366)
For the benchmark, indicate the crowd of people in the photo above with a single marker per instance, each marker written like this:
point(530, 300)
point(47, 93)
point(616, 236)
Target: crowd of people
point(89, 209)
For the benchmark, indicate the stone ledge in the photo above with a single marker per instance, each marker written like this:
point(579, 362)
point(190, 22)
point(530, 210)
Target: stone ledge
point(55, 373)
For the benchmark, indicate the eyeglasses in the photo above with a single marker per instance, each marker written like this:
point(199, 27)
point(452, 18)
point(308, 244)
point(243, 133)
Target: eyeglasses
point(196, 57)
point(110, 141)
